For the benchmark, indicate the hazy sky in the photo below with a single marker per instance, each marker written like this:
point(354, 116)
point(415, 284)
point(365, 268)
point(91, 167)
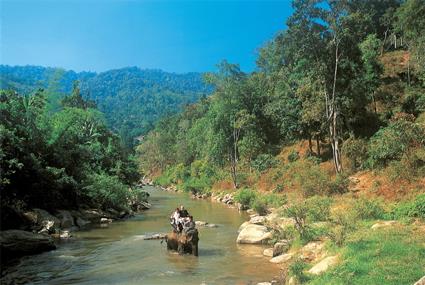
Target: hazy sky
point(176, 36)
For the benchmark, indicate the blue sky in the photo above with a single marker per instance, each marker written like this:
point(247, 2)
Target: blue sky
point(176, 36)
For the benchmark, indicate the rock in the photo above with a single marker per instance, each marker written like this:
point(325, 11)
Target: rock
point(383, 224)
point(353, 180)
point(312, 251)
point(151, 237)
point(272, 218)
point(324, 265)
point(65, 234)
point(211, 225)
point(244, 225)
point(258, 220)
point(66, 219)
point(286, 222)
point(254, 234)
point(200, 223)
point(282, 258)
point(105, 220)
point(420, 281)
point(81, 222)
point(93, 216)
point(241, 207)
point(264, 283)
point(268, 252)
point(250, 211)
point(280, 247)
point(16, 243)
point(47, 222)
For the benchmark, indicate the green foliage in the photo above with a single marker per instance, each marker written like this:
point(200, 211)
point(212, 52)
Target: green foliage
point(356, 152)
point(259, 205)
point(264, 162)
point(339, 185)
point(318, 208)
point(366, 256)
point(390, 143)
point(411, 209)
point(312, 179)
point(367, 209)
point(47, 160)
point(342, 224)
point(245, 196)
point(293, 156)
point(297, 268)
point(106, 191)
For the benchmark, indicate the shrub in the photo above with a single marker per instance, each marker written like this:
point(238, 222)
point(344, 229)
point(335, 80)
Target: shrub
point(311, 178)
point(278, 189)
point(339, 185)
point(273, 200)
point(368, 209)
point(299, 213)
point(318, 208)
point(356, 152)
point(264, 162)
point(392, 142)
point(411, 209)
point(106, 191)
point(245, 196)
point(342, 223)
point(297, 268)
point(293, 156)
point(259, 205)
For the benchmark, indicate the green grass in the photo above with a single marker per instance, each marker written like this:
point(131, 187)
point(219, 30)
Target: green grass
point(385, 256)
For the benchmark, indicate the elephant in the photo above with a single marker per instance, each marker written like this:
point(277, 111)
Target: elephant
point(183, 242)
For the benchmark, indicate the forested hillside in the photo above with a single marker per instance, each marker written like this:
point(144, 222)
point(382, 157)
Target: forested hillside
point(132, 99)
point(331, 124)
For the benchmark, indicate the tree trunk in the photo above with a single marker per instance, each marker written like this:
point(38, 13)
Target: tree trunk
point(318, 145)
point(310, 145)
point(332, 114)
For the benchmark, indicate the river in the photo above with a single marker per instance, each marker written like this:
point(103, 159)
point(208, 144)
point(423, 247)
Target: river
point(117, 255)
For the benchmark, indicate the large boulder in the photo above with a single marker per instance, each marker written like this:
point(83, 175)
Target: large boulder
point(324, 265)
point(17, 243)
point(254, 234)
point(66, 219)
point(244, 225)
point(46, 222)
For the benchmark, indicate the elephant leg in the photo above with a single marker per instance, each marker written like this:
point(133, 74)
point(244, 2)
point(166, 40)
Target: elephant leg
point(180, 248)
point(195, 249)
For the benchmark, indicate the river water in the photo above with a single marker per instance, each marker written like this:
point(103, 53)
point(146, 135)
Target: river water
point(117, 255)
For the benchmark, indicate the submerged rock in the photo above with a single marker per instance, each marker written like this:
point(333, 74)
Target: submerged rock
point(17, 243)
point(254, 234)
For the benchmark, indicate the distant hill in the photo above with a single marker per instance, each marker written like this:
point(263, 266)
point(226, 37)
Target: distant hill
point(132, 99)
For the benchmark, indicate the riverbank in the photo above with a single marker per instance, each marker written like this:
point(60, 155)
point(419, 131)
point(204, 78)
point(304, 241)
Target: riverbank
point(32, 231)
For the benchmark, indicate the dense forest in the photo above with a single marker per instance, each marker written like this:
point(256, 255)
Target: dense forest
point(63, 160)
point(132, 99)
